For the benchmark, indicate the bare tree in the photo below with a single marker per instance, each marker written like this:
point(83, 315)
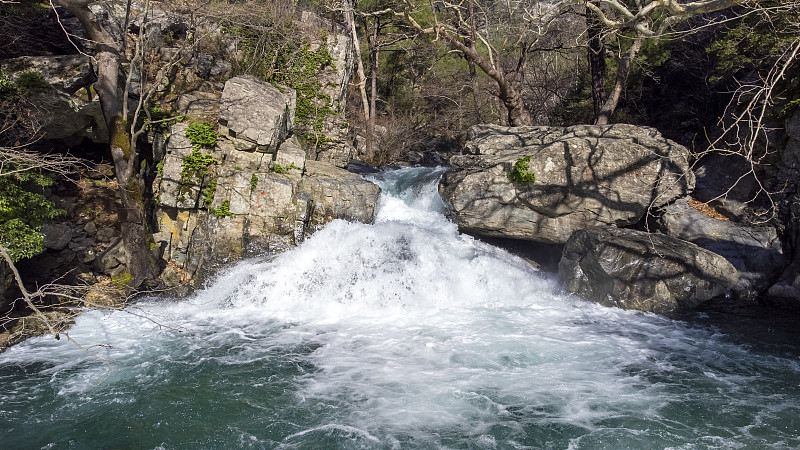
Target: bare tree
point(467, 27)
point(109, 56)
point(632, 22)
point(748, 128)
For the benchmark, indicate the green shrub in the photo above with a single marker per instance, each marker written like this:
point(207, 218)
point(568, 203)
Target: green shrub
point(21, 240)
point(31, 81)
point(202, 134)
point(23, 210)
point(520, 173)
point(196, 166)
point(224, 210)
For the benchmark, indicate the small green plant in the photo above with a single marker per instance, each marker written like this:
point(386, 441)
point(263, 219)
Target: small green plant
point(7, 85)
point(253, 182)
point(224, 210)
point(202, 134)
point(168, 37)
point(208, 193)
point(790, 108)
point(277, 168)
point(521, 174)
point(196, 164)
point(31, 81)
point(156, 114)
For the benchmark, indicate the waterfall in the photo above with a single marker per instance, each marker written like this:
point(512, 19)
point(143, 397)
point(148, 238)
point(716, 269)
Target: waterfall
point(398, 334)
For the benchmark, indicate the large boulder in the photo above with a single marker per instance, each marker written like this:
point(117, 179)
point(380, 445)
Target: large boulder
point(756, 252)
point(68, 109)
point(335, 193)
point(645, 271)
point(586, 176)
point(255, 113)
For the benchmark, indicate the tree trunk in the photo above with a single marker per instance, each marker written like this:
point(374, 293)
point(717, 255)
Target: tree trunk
point(135, 232)
point(518, 115)
point(597, 61)
point(624, 68)
point(362, 78)
point(373, 68)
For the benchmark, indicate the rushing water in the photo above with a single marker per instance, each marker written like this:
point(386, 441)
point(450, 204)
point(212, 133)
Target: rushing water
point(401, 334)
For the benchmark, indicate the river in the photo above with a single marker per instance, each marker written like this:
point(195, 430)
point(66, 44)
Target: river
point(398, 334)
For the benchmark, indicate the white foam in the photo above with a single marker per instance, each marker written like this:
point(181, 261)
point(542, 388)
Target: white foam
point(411, 329)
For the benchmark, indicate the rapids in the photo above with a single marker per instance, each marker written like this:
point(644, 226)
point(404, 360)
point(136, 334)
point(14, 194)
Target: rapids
point(399, 334)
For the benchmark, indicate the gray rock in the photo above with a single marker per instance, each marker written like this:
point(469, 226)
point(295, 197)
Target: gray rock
point(57, 236)
point(90, 228)
point(337, 153)
point(65, 73)
point(291, 156)
point(257, 112)
point(756, 252)
point(585, 176)
point(336, 194)
point(785, 293)
point(203, 64)
point(199, 104)
point(645, 271)
point(111, 261)
point(66, 110)
point(105, 234)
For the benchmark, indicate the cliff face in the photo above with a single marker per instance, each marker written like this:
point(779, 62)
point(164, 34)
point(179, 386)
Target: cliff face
point(262, 188)
point(246, 202)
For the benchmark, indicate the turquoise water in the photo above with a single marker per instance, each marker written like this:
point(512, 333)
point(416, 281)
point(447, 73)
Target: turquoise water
point(400, 334)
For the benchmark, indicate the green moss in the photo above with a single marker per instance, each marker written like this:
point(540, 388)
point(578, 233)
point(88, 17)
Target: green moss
point(121, 279)
point(253, 182)
point(520, 173)
point(7, 85)
point(120, 137)
point(789, 109)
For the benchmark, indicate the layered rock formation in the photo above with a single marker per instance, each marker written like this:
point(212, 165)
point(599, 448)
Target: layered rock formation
point(255, 192)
